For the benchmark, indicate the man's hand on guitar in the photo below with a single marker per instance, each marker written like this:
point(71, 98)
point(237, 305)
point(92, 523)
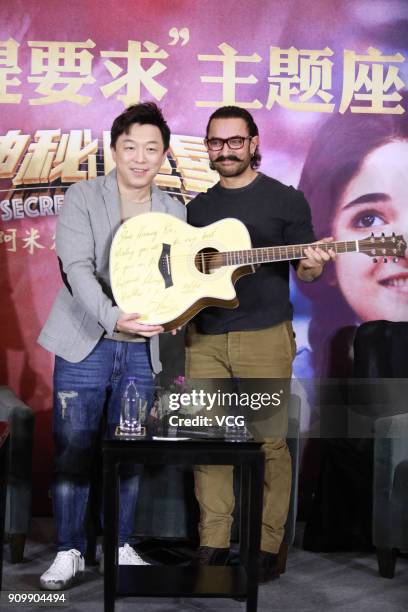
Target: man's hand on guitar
point(128, 323)
point(312, 266)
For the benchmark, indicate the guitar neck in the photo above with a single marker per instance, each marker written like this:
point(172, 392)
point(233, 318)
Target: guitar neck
point(283, 253)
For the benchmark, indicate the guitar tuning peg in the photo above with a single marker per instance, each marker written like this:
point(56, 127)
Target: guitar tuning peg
point(382, 234)
point(395, 260)
point(375, 260)
point(393, 234)
point(385, 260)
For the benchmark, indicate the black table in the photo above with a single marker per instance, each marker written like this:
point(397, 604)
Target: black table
point(4, 458)
point(170, 581)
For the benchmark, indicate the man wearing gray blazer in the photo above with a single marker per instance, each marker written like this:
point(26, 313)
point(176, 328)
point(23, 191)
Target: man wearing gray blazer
point(96, 345)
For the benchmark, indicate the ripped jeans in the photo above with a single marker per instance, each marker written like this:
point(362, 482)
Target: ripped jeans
point(82, 393)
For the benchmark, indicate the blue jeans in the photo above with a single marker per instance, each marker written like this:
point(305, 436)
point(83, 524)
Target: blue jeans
point(82, 393)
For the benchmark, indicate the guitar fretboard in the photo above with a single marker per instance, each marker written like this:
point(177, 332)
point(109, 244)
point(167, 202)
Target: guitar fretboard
point(283, 253)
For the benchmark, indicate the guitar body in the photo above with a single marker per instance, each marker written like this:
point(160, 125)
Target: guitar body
point(167, 270)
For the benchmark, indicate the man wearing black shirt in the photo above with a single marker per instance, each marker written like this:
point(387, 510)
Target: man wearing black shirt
point(255, 340)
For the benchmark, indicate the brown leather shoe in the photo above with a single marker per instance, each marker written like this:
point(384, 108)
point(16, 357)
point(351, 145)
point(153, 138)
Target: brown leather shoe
point(267, 567)
point(208, 555)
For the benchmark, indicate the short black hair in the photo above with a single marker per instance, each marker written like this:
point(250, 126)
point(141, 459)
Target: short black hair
point(143, 113)
point(232, 112)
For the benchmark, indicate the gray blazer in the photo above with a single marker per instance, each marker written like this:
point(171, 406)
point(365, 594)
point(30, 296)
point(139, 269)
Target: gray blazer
point(83, 310)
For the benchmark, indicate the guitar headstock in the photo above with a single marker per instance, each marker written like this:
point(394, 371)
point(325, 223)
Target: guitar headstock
point(383, 247)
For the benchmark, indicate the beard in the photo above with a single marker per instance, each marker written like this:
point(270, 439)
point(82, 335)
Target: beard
point(238, 168)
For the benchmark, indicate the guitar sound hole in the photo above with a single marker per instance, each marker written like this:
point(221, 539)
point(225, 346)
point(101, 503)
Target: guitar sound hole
point(208, 261)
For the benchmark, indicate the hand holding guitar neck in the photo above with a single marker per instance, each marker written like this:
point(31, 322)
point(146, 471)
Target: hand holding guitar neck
point(311, 267)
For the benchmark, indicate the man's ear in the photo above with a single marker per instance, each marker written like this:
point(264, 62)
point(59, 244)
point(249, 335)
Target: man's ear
point(253, 144)
point(164, 155)
point(113, 151)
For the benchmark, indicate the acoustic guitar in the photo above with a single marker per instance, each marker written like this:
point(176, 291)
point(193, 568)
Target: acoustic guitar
point(167, 270)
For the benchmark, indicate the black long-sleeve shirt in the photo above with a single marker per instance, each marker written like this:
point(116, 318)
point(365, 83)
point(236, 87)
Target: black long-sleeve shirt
point(274, 215)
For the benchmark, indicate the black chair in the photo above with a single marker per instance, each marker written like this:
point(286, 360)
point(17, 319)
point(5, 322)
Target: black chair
point(361, 493)
point(4, 465)
point(18, 503)
point(379, 409)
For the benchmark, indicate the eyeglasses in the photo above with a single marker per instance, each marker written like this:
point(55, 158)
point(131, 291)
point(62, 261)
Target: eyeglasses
point(234, 142)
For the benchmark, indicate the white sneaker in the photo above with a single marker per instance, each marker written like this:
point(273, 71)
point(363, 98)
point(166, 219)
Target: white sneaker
point(67, 568)
point(128, 556)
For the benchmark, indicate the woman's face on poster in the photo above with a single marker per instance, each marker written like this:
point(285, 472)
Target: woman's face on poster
point(375, 200)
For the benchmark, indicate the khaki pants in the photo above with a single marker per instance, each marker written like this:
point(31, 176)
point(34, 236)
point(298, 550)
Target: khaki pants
point(266, 354)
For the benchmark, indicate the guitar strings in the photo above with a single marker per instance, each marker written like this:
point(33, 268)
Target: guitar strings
point(213, 254)
point(348, 245)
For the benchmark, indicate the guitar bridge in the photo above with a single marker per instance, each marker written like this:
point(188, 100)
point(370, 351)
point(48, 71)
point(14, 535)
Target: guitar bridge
point(165, 265)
